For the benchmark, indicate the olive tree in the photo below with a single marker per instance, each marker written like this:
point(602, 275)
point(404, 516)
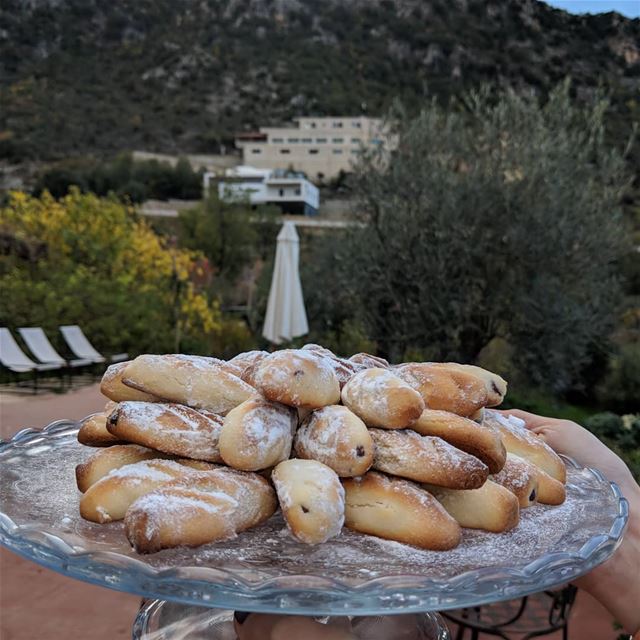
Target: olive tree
point(494, 217)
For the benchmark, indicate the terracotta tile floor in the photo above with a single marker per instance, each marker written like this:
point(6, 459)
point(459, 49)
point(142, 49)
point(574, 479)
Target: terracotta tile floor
point(36, 603)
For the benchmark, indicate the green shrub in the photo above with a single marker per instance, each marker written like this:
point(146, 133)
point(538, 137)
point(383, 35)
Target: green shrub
point(607, 425)
point(620, 388)
point(349, 338)
point(135, 180)
point(223, 232)
point(233, 337)
point(620, 433)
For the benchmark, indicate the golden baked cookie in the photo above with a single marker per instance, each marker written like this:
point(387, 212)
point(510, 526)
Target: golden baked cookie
point(196, 381)
point(445, 388)
point(247, 362)
point(495, 385)
point(171, 428)
point(526, 444)
point(257, 434)
point(343, 368)
point(336, 437)
point(381, 399)
point(369, 361)
point(311, 498)
point(93, 429)
point(109, 498)
point(521, 478)
point(397, 509)
point(407, 454)
point(106, 460)
point(479, 440)
point(490, 507)
point(297, 378)
point(203, 507)
point(113, 388)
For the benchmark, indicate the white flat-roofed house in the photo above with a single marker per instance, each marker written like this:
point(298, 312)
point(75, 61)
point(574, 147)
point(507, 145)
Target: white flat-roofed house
point(289, 190)
point(320, 147)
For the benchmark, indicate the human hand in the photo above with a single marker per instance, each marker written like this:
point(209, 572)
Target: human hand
point(616, 583)
point(570, 439)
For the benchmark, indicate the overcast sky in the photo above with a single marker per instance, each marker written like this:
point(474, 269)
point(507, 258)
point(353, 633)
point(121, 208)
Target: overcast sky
point(630, 8)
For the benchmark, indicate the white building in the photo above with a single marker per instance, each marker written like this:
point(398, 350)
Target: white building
point(290, 191)
point(320, 147)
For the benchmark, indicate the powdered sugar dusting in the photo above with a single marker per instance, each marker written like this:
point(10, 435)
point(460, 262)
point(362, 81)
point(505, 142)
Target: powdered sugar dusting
point(113, 370)
point(168, 503)
point(344, 369)
point(170, 508)
point(509, 421)
point(371, 385)
point(425, 459)
point(279, 367)
point(263, 434)
point(152, 470)
point(515, 473)
point(173, 428)
point(322, 440)
point(202, 363)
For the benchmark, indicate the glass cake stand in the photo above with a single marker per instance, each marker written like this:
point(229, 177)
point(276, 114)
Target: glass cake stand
point(162, 620)
point(265, 570)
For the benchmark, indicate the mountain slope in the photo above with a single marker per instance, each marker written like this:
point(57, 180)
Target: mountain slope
point(84, 76)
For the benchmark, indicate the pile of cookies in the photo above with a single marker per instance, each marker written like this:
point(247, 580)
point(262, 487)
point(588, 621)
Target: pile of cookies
point(196, 449)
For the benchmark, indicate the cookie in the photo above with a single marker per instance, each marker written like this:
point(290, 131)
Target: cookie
point(257, 434)
point(397, 509)
point(311, 498)
point(381, 399)
point(336, 437)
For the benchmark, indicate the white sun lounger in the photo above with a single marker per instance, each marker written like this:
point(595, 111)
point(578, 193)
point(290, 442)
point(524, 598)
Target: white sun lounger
point(14, 359)
point(81, 347)
point(39, 345)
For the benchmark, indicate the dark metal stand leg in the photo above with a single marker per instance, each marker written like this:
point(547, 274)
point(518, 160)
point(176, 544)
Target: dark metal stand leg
point(461, 630)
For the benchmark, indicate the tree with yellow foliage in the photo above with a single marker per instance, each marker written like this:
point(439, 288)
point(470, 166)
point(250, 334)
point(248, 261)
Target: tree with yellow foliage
point(91, 261)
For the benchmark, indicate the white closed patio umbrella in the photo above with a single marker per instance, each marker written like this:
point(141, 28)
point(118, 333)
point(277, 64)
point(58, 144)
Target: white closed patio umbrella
point(286, 317)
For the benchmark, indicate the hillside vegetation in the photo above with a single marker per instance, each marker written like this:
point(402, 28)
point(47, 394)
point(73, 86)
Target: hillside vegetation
point(84, 77)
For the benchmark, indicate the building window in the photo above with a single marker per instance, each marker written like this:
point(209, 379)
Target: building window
point(337, 125)
point(354, 152)
point(297, 191)
point(355, 140)
point(321, 140)
point(313, 125)
point(376, 141)
point(307, 140)
point(285, 151)
point(293, 140)
point(256, 150)
point(277, 140)
point(313, 152)
point(357, 124)
point(281, 192)
point(337, 152)
point(337, 140)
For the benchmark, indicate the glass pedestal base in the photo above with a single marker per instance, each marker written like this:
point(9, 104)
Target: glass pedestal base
point(162, 620)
